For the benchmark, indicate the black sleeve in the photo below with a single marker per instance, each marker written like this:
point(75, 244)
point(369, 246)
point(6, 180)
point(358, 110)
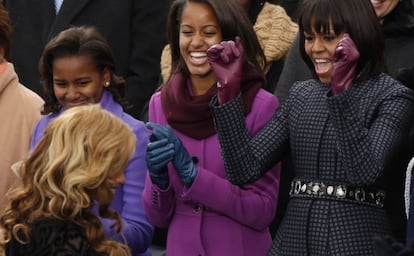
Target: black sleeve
point(53, 237)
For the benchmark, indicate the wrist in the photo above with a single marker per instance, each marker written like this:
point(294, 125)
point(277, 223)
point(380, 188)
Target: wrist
point(192, 174)
point(161, 178)
point(161, 182)
point(227, 93)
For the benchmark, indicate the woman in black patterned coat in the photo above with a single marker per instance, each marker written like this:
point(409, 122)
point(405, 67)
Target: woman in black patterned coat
point(346, 132)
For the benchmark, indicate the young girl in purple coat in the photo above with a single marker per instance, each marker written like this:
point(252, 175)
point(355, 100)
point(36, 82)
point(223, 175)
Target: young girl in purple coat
point(186, 188)
point(77, 68)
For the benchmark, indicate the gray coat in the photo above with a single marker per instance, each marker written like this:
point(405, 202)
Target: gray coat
point(358, 138)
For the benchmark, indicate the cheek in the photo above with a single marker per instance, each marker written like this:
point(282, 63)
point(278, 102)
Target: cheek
point(331, 47)
point(96, 93)
point(331, 50)
point(183, 43)
point(308, 49)
point(58, 92)
point(215, 40)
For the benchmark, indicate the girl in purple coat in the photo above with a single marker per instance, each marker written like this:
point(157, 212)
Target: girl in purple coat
point(186, 188)
point(77, 69)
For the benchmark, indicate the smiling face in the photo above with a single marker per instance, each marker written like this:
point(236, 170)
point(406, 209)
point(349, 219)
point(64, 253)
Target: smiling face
point(383, 7)
point(320, 47)
point(199, 30)
point(76, 81)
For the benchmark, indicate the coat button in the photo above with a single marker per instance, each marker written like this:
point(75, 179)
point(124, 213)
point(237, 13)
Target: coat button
point(198, 208)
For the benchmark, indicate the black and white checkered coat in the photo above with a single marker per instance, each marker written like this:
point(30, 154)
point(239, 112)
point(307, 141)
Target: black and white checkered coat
point(357, 138)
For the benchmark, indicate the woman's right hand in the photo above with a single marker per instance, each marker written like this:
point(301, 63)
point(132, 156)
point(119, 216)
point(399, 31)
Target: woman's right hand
point(159, 153)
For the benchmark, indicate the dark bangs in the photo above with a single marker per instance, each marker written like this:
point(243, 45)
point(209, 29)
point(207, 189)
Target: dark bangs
point(319, 17)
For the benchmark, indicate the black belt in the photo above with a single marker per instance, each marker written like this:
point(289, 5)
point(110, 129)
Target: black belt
point(320, 189)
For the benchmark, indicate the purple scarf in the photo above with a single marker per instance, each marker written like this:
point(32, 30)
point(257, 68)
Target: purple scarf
point(191, 114)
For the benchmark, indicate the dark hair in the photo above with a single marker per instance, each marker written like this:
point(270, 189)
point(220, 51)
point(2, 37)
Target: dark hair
point(233, 22)
point(78, 41)
point(256, 6)
point(5, 31)
point(355, 17)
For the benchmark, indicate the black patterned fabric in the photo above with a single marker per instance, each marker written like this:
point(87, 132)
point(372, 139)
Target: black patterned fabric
point(358, 138)
point(52, 237)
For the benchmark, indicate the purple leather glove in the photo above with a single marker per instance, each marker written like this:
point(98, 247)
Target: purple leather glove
point(226, 61)
point(345, 61)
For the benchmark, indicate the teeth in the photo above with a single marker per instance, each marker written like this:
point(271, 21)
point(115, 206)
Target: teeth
point(321, 61)
point(198, 54)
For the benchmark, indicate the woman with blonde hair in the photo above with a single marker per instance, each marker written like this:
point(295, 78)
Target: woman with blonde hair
point(75, 167)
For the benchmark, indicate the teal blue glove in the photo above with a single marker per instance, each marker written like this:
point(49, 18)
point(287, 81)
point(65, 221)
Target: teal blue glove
point(159, 154)
point(182, 161)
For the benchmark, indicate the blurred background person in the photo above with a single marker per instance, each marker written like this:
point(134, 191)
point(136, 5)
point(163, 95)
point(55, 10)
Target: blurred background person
point(291, 7)
point(19, 111)
point(77, 165)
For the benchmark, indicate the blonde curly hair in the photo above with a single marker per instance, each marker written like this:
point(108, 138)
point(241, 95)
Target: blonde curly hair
point(72, 168)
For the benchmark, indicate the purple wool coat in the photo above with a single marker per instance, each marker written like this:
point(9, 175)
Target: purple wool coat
point(213, 216)
point(137, 229)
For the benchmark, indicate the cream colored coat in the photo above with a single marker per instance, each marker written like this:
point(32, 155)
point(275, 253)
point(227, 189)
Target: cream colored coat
point(19, 112)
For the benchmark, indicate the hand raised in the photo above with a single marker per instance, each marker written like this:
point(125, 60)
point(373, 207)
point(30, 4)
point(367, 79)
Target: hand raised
point(345, 61)
point(226, 61)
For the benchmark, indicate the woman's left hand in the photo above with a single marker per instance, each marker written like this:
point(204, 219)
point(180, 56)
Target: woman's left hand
point(345, 61)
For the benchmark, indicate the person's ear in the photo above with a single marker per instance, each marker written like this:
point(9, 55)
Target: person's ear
point(107, 76)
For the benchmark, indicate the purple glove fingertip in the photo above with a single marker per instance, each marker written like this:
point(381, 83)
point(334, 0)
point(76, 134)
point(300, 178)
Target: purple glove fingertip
point(238, 45)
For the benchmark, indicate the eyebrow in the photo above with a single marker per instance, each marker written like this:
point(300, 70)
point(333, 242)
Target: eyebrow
point(205, 26)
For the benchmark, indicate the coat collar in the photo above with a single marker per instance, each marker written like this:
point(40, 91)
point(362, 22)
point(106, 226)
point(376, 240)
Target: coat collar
point(7, 75)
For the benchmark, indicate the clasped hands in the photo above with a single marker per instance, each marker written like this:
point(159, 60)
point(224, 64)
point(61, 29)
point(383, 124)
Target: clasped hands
point(163, 147)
